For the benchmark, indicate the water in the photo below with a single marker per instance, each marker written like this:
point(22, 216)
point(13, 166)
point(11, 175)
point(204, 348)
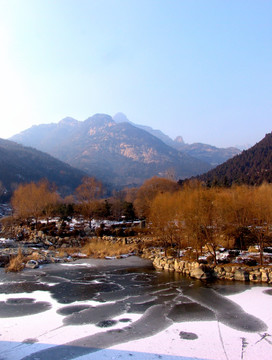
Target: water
point(97, 292)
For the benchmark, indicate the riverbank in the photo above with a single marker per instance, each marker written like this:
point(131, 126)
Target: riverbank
point(17, 254)
point(45, 250)
point(194, 269)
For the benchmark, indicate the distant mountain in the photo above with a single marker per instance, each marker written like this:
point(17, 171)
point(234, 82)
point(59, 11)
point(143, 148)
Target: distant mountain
point(204, 152)
point(252, 166)
point(20, 164)
point(119, 154)
point(208, 153)
point(120, 117)
point(243, 146)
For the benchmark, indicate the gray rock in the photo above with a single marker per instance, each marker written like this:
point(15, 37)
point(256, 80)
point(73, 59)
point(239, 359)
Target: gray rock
point(241, 275)
point(32, 264)
point(47, 242)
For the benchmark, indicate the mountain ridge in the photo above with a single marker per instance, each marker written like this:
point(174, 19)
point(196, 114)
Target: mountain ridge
point(252, 166)
point(117, 153)
point(21, 164)
point(205, 152)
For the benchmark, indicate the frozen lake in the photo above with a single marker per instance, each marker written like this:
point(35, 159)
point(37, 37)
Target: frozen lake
point(123, 309)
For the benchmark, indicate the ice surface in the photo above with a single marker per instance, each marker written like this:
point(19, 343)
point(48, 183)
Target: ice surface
point(122, 312)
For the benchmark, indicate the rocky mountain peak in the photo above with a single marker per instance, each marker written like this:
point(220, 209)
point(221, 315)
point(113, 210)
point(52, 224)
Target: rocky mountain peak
point(68, 121)
point(99, 121)
point(120, 117)
point(179, 140)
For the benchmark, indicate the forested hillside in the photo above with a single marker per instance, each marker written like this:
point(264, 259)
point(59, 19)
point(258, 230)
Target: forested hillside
point(252, 166)
point(20, 164)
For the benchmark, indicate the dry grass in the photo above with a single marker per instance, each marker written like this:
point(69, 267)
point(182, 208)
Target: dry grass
point(63, 252)
point(34, 256)
point(99, 249)
point(17, 263)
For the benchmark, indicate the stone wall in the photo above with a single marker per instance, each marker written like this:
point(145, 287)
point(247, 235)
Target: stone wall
point(200, 271)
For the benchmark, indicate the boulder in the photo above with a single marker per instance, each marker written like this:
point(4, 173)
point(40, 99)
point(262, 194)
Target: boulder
point(255, 276)
point(32, 264)
point(264, 276)
point(169, 265)
point(200, 274)
point(241, 275)
point(87, 230)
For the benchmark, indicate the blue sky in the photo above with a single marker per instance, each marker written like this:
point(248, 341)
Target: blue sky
point(199, 69)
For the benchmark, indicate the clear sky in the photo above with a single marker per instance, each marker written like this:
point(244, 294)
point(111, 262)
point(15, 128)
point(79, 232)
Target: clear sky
point(200, 69)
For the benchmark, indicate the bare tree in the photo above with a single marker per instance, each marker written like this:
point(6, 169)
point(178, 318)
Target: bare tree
point(87, 193)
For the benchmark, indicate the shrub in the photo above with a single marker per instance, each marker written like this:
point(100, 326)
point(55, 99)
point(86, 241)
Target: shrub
point(250, 262)
point(210, 259)
point(171, 252)
point(99, 248)
point(99, 232)
point(16, 263)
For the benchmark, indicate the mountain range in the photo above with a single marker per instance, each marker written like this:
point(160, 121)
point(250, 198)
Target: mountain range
point(207, 153)
point(20, 164)
point(121, 153)
point(117, 153)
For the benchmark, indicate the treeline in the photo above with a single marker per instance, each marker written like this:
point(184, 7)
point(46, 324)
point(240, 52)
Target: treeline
point(199, 216)
point(192, 215)
point(42, 199)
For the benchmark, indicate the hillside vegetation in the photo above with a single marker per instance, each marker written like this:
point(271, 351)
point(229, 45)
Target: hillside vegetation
point(252, 167)
point(20, 164)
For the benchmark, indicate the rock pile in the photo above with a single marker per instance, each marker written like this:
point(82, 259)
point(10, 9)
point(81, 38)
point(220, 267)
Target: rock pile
point(200, 271)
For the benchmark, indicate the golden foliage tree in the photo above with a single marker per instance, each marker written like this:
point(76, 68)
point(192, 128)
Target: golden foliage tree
point(164, 219)
point(201, 216)
point(210, 220)
point(87, 194)
point(190, 212)
point(261, 218)
point(148, 191)
point(33, 199)
point(234, 205)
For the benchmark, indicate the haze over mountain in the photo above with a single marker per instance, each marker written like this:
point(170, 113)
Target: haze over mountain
point(119, 154)
point(204, 152)
point(120, 117)
point(211, 154)
point(252, 166)
point(20, 164)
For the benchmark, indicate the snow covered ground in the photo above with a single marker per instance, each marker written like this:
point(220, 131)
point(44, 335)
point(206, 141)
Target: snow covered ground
point(158, 318)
